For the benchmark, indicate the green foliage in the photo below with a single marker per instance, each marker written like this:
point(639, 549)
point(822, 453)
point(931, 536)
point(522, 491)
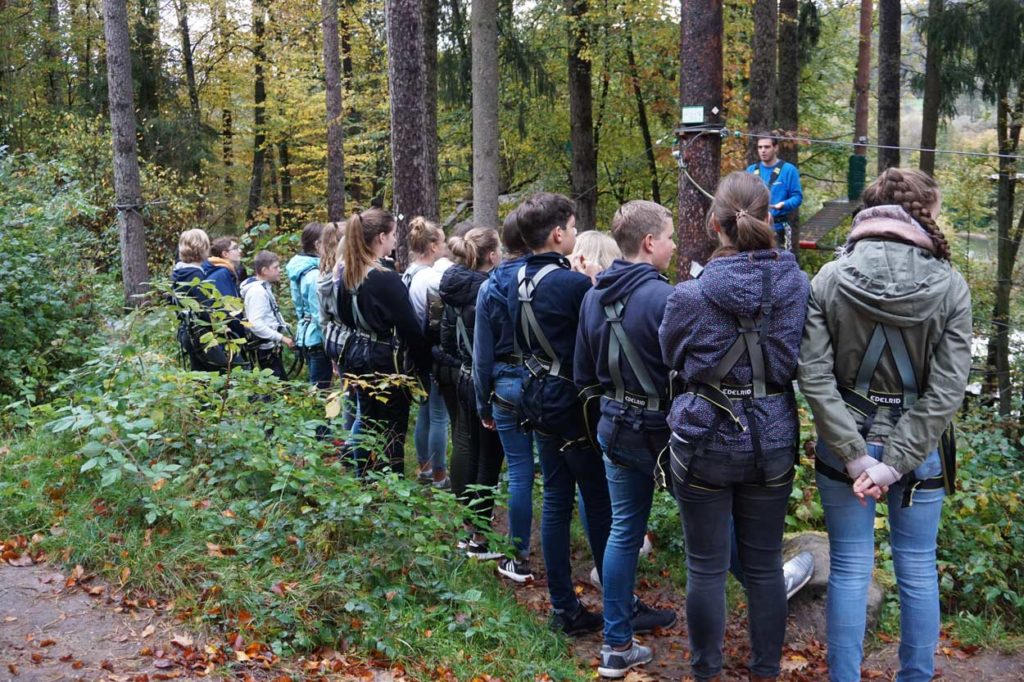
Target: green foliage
point(48, 286)
point(251, 523)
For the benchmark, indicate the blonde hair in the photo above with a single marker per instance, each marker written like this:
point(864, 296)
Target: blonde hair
point(596, 247)
point(634, 221)
point(423, 234)
point(741, 208)
point(193, 246)
point(358, 256)
point(472, 250)
point(330, 246)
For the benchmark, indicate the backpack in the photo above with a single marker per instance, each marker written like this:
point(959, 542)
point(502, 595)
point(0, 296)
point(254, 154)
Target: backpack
point(335, 331)
point(366, 352)
point(867, 402)
point(548, 403)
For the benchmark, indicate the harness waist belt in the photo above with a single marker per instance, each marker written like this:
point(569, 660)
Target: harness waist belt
point(537, 367)
point(913, 483)
point(509, 359)
point(501, 402)
point(734, 391)
point(876, 398)
point(635, 399)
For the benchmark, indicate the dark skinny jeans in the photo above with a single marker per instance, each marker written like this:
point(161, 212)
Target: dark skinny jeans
point(383, 424)
point(712, 489)
point(477, 456)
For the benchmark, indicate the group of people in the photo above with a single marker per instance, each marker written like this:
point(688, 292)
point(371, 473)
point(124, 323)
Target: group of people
point(530, 339)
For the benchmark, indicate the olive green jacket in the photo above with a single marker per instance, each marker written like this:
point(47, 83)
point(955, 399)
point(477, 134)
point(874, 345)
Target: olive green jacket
point(905, 286)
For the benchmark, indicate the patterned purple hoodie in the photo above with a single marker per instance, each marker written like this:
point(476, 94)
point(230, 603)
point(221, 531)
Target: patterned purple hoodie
point(700, 326)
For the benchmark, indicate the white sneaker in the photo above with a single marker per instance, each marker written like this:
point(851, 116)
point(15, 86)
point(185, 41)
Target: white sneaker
point(797, 572)
point(595, 578)
point(647, 546)
point(617, 663)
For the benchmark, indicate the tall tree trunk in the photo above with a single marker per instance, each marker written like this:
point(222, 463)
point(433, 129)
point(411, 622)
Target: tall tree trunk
point(181, 8)
point(286, 179)
point(430, 15)
point(127, 188)
point(335, 131)
point(147, 40)
point(890, 19)
point(863, 81)
point(259, 13)
point(581, 117)
point(641, 113)
point(275, 188)
point(407, 86)
point(762, 72)
point(54, 65)
point(483, 20)
point(788, 87)
point(700, 56)
point(458, 31)
point(228, 158)
point(1008, 130)
point(932, 92)
point(346, 50)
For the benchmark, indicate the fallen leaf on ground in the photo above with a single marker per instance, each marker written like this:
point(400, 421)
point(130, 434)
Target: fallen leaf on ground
point(148, 630)
point(184, 641)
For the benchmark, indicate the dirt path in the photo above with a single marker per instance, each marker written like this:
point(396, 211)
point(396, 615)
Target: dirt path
point(50, 631)
point(802, 661)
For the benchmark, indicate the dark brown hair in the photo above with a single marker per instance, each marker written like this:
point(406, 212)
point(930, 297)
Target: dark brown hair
point(915, 192)
point(310, 235)
point(539, 214)
point(741, 208)
point(221, 245)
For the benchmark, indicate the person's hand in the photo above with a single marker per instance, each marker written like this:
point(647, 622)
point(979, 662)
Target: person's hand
point(856, 467)
point(288, 341)
point(778, 206)
point(864, 488)
point(489, 424)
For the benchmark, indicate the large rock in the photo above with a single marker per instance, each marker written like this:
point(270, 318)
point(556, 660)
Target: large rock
point(807, 607)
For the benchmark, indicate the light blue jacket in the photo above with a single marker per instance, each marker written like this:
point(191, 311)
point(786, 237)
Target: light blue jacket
point(786, 188)
point(303, 272)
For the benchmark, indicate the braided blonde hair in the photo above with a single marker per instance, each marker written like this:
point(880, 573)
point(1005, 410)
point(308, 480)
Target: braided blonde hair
point(915, 192)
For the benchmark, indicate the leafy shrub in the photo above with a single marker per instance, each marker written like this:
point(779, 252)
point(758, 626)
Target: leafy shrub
point(214, 489)
point(48, 288)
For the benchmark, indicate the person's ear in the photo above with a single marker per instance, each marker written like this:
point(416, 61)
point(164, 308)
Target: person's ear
point(648, 243)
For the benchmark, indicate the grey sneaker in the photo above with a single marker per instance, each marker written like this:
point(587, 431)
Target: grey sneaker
point(617, 663)
point(446, 484)
point(797, 572)
point(425, 476)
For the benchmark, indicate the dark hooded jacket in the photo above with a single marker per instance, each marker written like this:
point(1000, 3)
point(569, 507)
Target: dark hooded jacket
point(646, 292)
point(700, 326)
point(493, 333)
point(458, 290)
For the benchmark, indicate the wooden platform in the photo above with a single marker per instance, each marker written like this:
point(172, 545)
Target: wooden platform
point(831, 215)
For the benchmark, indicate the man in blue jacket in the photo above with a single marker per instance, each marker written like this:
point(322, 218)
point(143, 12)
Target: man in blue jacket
point(783, 182)
point(544, 303)
point(618, 361)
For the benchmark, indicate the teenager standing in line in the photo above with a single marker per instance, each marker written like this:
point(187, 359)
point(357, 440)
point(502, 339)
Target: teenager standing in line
point(884, 364)
point(374, 303)
point(263, 313)
point(303, 273)
point(733, 336)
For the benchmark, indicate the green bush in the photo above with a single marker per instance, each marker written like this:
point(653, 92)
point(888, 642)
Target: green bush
point(48, 288)
point(214, 490)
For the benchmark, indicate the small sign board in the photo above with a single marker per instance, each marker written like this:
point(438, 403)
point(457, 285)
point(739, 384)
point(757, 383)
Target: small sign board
point(693, 115)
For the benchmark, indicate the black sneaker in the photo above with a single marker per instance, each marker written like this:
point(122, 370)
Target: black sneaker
point(646, 619)
point(580, 623)
point(479, 551)
point(617, 663)
point(518, 571)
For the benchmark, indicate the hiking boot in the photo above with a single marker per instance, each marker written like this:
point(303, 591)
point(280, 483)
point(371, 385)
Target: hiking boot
point(617, 663)
point(519, 571)
point(479, 551)
point(645, 618)
point(579, 623)
point(797, 572)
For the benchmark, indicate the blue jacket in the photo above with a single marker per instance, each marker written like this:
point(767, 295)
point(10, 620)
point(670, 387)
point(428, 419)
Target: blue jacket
point(647, 291)
point(304, 296)
point(223, 277)
point(492, 331)
point(699, 328)
point(786, 188)
point(556, 305)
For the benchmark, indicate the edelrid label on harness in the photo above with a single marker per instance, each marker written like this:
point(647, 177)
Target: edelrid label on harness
point(635, 401)
point(738, 391)
point(886, 399)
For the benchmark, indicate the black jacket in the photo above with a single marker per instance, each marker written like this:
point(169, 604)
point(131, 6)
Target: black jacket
point(459, 288)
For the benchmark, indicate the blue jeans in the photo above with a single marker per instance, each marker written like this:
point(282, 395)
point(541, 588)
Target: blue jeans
point(563, 472)
point(851, 535)
point(321, 371)
point(631, 488)
point(713, 491)
point(431, 434)
point(518, 446)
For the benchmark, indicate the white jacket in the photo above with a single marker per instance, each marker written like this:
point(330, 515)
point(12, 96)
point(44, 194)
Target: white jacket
point(262, 313)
